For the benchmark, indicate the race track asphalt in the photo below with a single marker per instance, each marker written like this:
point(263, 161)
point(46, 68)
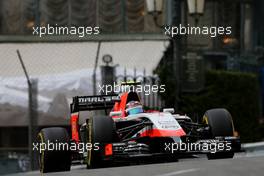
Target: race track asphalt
point(241, 165)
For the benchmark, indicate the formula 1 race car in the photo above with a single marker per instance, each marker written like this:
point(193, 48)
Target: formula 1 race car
point(130, 133)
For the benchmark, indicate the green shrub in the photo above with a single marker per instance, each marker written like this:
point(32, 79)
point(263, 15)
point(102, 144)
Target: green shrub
point(235, 91)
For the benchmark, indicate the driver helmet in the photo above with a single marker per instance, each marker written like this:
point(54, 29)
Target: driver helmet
point(134, 107)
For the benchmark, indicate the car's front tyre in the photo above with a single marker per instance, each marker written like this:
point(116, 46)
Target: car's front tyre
point(52, 159)
point(220, 124)
point(100, 130)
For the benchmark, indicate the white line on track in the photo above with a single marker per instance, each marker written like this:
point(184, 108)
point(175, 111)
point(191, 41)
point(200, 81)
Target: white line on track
point(180, 172)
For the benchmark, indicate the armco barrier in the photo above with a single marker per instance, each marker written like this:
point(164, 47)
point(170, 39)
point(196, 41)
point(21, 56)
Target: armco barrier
point(252, 147)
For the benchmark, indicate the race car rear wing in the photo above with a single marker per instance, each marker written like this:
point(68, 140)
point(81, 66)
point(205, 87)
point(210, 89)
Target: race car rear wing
point(90, 103)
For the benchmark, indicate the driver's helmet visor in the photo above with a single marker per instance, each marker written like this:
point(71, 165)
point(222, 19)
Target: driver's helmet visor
point(134, 110)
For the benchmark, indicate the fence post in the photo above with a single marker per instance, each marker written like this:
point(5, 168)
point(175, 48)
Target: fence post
point(125, 75)
point(33, 114)
point(135, 74)
point(33, 121)
point(95, 67)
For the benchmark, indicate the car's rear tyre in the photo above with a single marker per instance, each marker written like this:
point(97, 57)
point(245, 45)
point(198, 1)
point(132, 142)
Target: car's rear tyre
point(52, 159)
point(221, 124)
point(100, 131)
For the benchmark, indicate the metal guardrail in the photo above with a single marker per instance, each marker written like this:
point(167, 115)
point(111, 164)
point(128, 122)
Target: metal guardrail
point(252, 147)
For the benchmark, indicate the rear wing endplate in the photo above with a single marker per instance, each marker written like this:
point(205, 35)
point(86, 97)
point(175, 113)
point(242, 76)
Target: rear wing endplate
point(97, 102)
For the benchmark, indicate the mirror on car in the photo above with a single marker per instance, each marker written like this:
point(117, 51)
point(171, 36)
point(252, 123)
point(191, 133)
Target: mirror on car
point(170, 110)
point(115, 113)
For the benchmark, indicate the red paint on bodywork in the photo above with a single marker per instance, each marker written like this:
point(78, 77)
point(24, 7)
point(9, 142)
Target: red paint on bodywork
point(74, 126)
point(163, 133)
point(108, 149)
point(121, 105)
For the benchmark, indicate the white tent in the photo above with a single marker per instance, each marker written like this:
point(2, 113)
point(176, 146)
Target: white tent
point(64, 69)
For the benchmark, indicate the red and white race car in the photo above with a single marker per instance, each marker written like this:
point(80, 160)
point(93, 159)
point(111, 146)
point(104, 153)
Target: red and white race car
point(129, 133)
